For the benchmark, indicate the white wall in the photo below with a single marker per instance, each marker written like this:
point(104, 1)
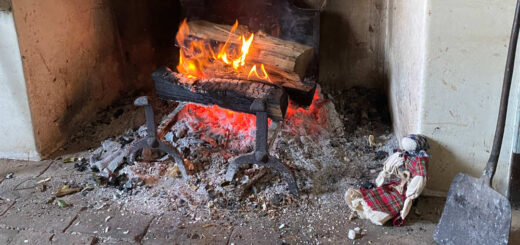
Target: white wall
point(456, 82)
point(405, 54)
point(16, 131)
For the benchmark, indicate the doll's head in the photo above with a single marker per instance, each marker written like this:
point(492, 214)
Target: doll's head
point(414, 143)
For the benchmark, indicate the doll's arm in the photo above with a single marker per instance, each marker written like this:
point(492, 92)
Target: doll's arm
point(390, 165)
point(413, 190)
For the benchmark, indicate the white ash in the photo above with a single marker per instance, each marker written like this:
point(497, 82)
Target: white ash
point(314, 145)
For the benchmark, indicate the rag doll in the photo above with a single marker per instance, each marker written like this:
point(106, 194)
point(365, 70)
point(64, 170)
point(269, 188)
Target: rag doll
point(402, 180)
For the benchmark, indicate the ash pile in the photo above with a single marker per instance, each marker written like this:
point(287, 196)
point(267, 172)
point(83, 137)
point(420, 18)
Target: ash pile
point(337, 142)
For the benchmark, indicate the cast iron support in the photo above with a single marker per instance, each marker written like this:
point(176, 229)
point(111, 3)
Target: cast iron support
point(260, 156)
point(151, 141)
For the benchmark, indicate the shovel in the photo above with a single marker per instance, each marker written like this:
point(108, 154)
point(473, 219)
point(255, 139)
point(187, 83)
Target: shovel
point(475, 213)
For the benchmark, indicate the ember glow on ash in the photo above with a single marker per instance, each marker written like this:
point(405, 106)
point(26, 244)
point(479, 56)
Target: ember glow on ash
point(200, 59)
point(236, 131)
point(310, 121)
point(218, 127)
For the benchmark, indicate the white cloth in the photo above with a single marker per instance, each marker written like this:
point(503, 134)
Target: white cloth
point(413, 190)
point(390, 166)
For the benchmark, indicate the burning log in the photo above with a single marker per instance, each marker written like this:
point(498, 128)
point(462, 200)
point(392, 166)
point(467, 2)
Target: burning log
point(237, 95)
point(270, 59)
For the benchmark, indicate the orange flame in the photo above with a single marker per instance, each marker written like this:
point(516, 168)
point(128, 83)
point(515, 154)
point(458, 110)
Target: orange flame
point(254, 72)
point(244, 49)
point(197, 58)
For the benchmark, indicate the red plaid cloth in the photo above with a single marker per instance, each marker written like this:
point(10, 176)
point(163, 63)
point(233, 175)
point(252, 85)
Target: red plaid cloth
point(416, 165)
point(386, 198)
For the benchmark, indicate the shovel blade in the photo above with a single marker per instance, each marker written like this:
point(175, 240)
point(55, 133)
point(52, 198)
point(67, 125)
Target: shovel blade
point(474, 214)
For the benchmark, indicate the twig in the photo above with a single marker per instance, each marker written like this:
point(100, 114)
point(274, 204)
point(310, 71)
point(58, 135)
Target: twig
point(169, 120)
point(243, 189)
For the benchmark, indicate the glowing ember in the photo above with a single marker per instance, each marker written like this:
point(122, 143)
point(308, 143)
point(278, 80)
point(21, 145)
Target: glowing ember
point(219, 126)
point(198, 59)
point(236, 131)
point(311, 121)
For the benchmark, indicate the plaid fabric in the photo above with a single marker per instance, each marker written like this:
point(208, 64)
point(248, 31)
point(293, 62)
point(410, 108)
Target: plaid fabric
point(386, 198)
point(417, 165)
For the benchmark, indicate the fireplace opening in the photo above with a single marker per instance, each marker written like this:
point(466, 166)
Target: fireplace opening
point(242, 113)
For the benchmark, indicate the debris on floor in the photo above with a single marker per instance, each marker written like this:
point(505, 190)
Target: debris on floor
point(62, 203)
point(110, 156)
point(399, 183)
point(67, 190)
point(354, 233)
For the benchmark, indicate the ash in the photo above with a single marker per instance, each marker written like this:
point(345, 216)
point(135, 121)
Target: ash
point(339, 141)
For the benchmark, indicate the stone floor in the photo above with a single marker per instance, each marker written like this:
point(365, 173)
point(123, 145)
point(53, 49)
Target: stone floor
point(29, 214)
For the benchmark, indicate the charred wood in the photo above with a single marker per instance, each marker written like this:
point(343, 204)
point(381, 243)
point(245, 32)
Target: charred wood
point(237, 95)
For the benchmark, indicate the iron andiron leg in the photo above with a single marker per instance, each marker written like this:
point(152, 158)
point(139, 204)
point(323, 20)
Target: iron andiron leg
point(151, 141)
point(260, 156)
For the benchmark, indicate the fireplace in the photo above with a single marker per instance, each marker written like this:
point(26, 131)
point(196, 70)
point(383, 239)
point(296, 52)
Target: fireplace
point(255, 69)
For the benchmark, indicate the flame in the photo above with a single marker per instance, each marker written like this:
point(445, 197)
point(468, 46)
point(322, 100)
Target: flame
point(244, 49)
point(254, 72)
point(197, 58)
point(222, 52)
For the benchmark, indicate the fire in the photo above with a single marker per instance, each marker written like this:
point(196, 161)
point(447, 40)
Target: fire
point(197, 58)
point(244, 49)
point(254, 72)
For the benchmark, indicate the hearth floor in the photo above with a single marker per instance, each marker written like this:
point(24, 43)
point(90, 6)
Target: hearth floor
point(32, 216)
point(173, 211)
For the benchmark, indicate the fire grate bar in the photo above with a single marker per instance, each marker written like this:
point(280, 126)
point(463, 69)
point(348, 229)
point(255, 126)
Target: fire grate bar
point(260, 155)
point(151, 141)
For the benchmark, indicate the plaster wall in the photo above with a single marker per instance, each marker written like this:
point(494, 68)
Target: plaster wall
point(16, 129)
point(72, 69)
point(453, 69)
point(352, 44)
point(405, 55)
point(56, 79)
point(466, 52)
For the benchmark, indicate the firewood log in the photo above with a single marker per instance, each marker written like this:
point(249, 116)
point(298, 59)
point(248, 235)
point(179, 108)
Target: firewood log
point(285, 61)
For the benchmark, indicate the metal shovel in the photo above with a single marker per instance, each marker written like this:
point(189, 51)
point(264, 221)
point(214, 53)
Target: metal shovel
point(475, 213)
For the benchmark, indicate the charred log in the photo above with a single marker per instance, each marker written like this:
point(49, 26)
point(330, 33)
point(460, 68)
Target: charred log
point(233, 94)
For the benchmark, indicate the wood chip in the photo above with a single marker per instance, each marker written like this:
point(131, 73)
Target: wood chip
point(67, 191)
point(371, 139)
point(44, 181)
point(352, 216)
point(173, 171)
point(243, 189)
